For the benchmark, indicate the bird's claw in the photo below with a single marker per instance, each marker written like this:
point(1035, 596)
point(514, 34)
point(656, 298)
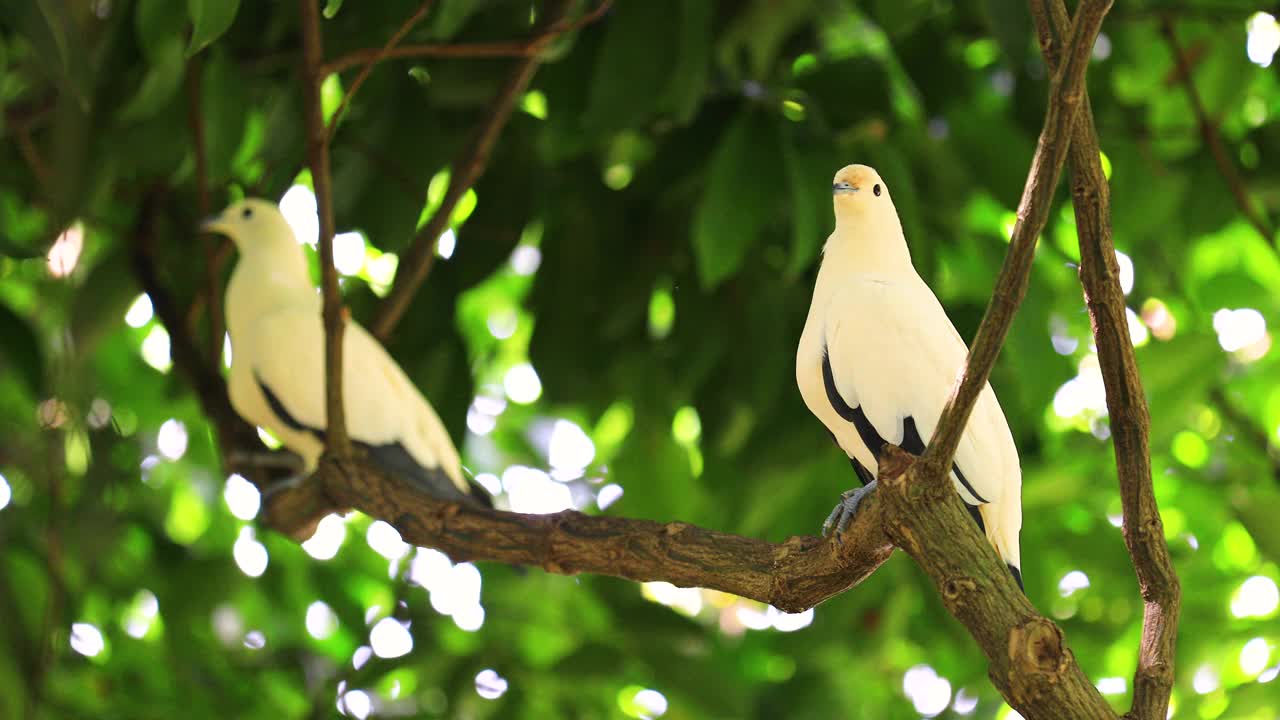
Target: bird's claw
point(247, 460)
point(279, 485)
point(844, 510)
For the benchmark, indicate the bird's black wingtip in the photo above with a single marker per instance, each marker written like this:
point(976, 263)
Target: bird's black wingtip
point(1017, 575)
point(479, 494)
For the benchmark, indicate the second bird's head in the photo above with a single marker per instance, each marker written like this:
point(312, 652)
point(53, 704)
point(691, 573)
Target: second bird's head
point(859, 194)
point(251, 223)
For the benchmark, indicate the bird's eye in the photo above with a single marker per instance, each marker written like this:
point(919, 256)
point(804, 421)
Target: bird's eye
point(248, 212)
point(876, 189)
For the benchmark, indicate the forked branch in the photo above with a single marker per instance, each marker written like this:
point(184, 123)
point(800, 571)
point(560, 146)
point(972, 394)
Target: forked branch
point(1126, 402)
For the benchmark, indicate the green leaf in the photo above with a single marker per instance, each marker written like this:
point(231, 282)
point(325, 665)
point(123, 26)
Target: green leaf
point(103, 299)
point(1010, 22)
point(157, 24)
point(11, 247)
point(209, 20)
point(688, 81)
point(159, 85)
point(331, 9)
point(742, 187)
point(56, 47)
point(20, 349)
point(223, 99)
point(635, 65)
point(449, 16)
point(808, 167)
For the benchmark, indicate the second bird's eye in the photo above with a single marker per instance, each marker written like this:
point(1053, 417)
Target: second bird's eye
point(248, 212)
point(876, 189)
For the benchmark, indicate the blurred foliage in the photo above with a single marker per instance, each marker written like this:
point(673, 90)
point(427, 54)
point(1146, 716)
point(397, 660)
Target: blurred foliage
point(645, 240)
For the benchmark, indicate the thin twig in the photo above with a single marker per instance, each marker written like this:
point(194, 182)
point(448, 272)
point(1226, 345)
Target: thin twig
point(376, 58)
point(1033, 210)
point(1212, 138)
point(466, 170)
point(212, 268)
point(1126, 402)
point(521, 48)
point(336, 439)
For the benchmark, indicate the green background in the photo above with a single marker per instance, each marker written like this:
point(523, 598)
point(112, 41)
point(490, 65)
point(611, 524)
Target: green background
point(668, 170)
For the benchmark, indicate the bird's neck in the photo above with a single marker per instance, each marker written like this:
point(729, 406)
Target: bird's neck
point(268, 281)
point(869, 246)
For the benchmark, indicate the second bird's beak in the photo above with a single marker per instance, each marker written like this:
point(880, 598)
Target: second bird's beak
point(842, 188)
point(212, 225)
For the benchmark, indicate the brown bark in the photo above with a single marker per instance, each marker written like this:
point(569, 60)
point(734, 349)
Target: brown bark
point(318, 158)
point(915, 508)
point(1126, 403)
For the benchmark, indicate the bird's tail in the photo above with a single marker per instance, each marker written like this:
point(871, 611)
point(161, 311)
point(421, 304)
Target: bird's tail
point(1002, 522)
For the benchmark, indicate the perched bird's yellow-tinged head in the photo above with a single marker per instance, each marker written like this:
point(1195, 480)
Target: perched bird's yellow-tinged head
point(859, 193)
point(868, 234)
point(251, 223)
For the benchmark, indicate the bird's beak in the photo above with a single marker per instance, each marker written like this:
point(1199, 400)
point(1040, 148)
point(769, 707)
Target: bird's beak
point(843, 188)
point(213, 225)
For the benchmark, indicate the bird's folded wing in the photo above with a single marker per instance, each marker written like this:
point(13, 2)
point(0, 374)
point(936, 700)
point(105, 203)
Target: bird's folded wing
point(383, 407)
point(894, 353)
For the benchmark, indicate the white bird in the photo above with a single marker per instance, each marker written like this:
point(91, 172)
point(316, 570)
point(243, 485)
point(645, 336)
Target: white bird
point(878, 358)
point(277, 378)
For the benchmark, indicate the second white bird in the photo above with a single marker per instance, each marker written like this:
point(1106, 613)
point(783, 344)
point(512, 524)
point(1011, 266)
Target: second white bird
point(277, 371)
point(878, 358)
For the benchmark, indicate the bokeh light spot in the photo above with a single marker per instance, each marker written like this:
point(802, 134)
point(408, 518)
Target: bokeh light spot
point(250, 555)
point(327, 539)
point(86, 639)
point(242, 498)
point(390, 639)
point(490, 685)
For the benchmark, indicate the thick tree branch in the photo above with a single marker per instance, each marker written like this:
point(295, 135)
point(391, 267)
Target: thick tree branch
point(522, 48)
point(465, 172)
point(1037, 195)
point(318, 158)
point(1126, 402)
point(376, 58)
point(1209, 133)
point(1031, 665)
point(794, 575)
point(915, 508)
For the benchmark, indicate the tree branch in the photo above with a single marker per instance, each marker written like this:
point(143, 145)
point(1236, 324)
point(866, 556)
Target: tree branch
point(376, 58)
point(915, 509)
point(318, 158)
point(1037, 195)
point(210, 388)
point(465, 172)
point(212, 268)
point(1126, 402)
point(1030, 663)
point(522, 48)
point(1209, 133)
point(794, 575)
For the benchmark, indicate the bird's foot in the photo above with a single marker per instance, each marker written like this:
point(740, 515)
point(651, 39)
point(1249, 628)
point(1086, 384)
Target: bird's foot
point(844, 511)
point(266, 460)
point(275, 462)
point(287, 482)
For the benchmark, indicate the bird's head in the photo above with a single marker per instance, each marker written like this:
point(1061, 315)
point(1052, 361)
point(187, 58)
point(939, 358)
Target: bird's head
point(251, 223)
point(860, 194)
